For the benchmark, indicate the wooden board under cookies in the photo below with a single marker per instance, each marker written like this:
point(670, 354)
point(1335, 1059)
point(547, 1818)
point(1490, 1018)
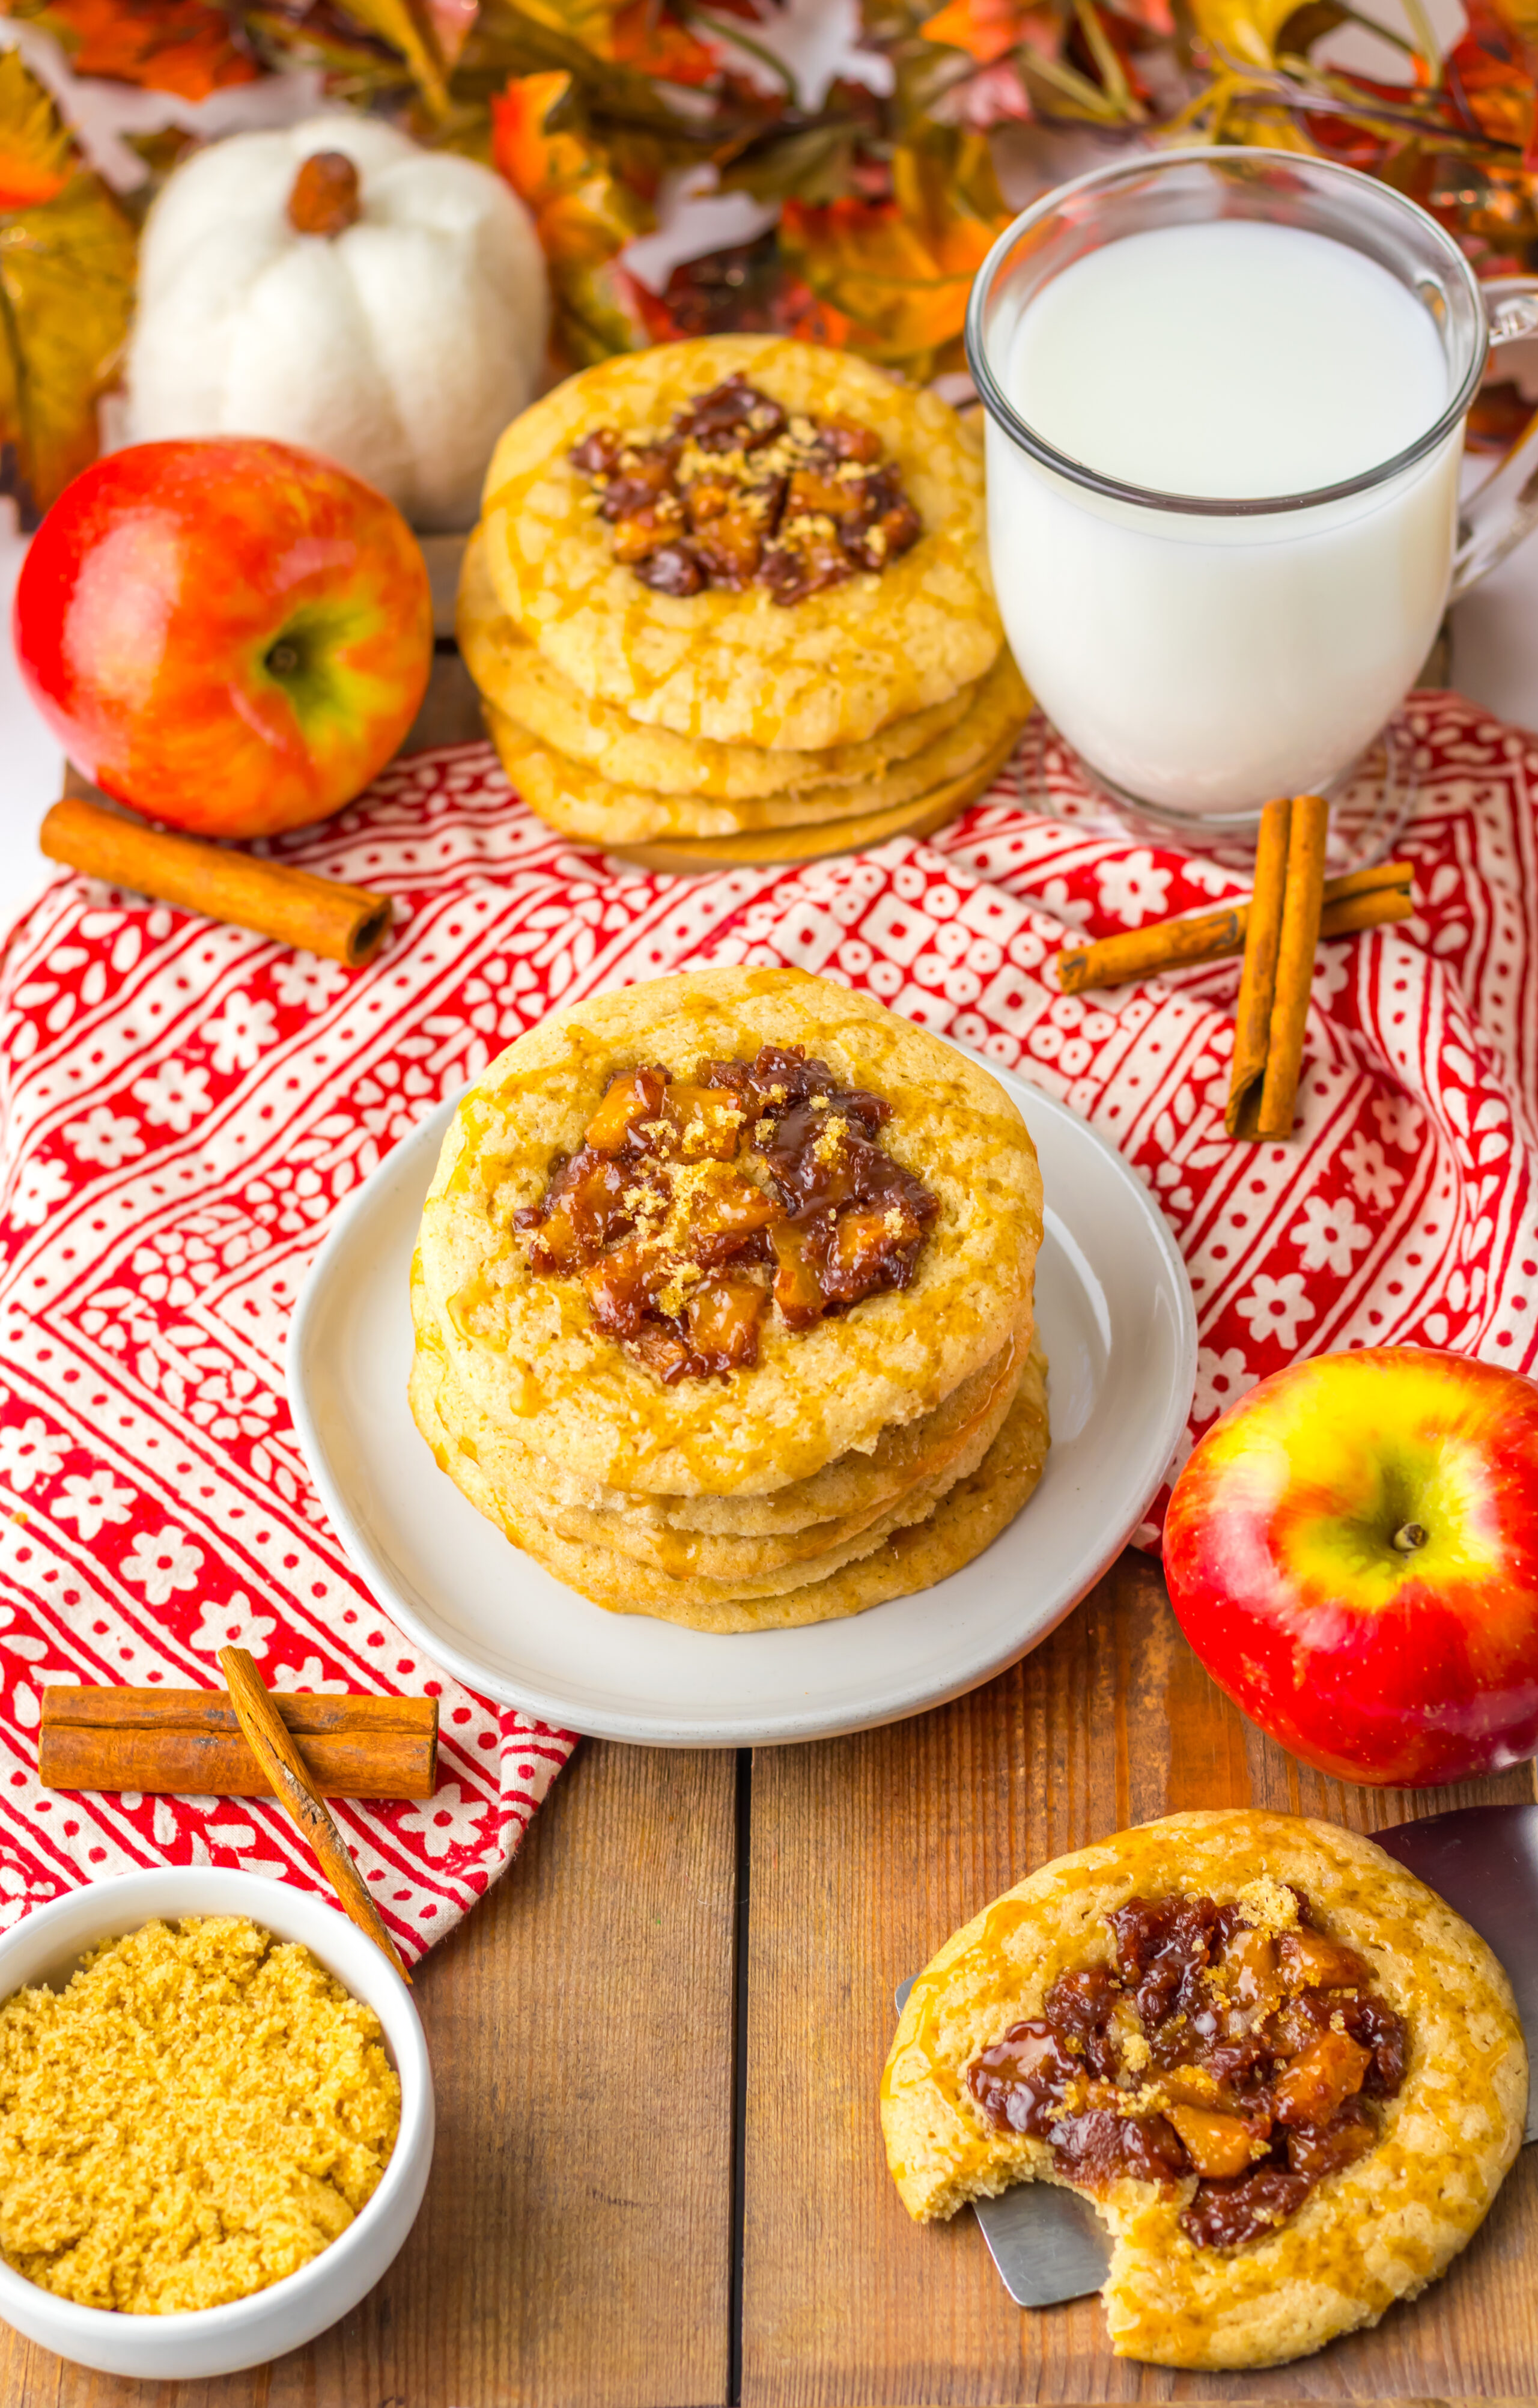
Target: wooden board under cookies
point(767, 848)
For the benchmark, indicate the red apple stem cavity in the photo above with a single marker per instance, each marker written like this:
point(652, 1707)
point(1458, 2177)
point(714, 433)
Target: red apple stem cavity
point(325, 195)
point(1409, 1536)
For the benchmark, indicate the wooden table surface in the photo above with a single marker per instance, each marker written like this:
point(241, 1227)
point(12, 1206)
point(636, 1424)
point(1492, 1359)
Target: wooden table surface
point(657, 2043)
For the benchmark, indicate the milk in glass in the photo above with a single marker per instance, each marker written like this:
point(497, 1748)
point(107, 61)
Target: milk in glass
point(1205, 663)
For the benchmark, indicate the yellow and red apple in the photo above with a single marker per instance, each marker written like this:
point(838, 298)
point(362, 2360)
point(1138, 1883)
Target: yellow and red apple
point(230, 635)
point(1352, 1551)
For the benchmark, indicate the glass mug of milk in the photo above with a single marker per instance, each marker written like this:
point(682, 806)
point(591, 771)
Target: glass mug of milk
point(1225, 393)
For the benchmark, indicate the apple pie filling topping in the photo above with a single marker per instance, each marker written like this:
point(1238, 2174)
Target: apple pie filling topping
point(1238, 2043)
point(741, 491)
point(694, 1207)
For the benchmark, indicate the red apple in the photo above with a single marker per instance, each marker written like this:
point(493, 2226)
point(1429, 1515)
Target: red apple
point(232, 634)
point(1353, 1553)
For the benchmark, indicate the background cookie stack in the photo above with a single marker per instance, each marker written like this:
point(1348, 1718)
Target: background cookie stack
point(861, 1458)
point(685, 729)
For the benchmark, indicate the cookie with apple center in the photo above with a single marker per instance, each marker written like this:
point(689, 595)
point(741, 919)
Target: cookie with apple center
point(748, 539)
point(1288, 2075)
point(526, 1310)
point(708, 1293)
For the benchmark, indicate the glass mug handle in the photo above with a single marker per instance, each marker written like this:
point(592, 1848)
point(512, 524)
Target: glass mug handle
point(1495, 517)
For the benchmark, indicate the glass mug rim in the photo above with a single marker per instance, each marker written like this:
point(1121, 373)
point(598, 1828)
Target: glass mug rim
point(1062, 464)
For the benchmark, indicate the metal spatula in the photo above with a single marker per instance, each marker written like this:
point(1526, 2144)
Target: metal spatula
point(1049, 2246)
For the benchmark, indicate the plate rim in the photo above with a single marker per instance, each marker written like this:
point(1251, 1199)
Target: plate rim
point(732, 1729)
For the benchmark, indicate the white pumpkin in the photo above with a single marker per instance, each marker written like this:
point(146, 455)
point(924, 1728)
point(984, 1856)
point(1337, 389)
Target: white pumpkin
point(400, 343)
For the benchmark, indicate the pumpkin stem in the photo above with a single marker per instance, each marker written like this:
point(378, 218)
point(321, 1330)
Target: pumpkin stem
point(325, 197)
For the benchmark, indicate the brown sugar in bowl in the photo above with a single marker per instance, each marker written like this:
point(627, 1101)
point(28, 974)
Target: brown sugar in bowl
point(48, 1947)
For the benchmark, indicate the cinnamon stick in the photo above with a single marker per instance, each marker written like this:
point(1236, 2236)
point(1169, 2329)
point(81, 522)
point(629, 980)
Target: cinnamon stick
point(189, 1742)
point(1257, 978)
point(347, 924)
point(1362, 898)
point(267, 1738)
point(1301, 908)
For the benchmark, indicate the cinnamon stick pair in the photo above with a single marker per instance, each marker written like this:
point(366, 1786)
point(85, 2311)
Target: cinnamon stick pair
point(247, 1742)
point(188, 1743)
point(1363, 899)
point(1280, 941)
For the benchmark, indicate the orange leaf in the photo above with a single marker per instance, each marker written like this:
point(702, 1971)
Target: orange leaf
point(656, 45)
point(901, 270)
point(583, 214)
point(985, 29)
point(180, 46)
point(1495, 62)
point(35, 153)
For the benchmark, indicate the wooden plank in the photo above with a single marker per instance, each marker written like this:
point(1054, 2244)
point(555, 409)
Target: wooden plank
point(575, 2243)
point(865, 1854)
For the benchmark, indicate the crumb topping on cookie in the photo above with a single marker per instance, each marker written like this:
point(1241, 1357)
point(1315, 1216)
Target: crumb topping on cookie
point(1239, 2043)
point(741, 493)
point(695, 1206)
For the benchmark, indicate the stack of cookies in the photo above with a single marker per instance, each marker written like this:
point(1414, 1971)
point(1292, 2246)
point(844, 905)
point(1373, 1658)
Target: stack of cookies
point(732, 595)
point(724, 1302)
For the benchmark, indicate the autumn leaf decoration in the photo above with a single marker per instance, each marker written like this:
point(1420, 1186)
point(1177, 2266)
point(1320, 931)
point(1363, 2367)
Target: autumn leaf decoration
point(583, 215)
point(877, 195)
point(187, 47)
point(66, 271)
point(899, 271)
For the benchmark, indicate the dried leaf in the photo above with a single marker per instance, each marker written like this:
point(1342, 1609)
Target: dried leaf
point(582, 212)
point(1246, 31)
point(746, 289)
point(653, 43)
point(35, 153)
point(359, 67)
point(540, 38)
point(583, 215)
point(407, 27)
point(985, 29)
point(1494, 65)
point(812, 162)
point(587, 21)
point(66, 277)
point(901, 270)
point(186, 47)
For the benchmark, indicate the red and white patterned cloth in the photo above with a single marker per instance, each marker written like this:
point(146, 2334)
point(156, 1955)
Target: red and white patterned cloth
point(186, 1104)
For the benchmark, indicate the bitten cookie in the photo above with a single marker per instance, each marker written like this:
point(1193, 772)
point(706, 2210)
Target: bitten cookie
point(1288, 2075)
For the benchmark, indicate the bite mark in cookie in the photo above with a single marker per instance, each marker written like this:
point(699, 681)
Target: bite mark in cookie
point(694, 1206)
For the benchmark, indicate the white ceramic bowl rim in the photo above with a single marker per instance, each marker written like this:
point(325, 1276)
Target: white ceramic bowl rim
point(127, 1901)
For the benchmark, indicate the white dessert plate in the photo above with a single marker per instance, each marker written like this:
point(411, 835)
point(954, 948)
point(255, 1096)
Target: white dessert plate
point(1113, 1306)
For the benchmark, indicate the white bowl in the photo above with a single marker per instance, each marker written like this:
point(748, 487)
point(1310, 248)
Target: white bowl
point(46, 1947)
